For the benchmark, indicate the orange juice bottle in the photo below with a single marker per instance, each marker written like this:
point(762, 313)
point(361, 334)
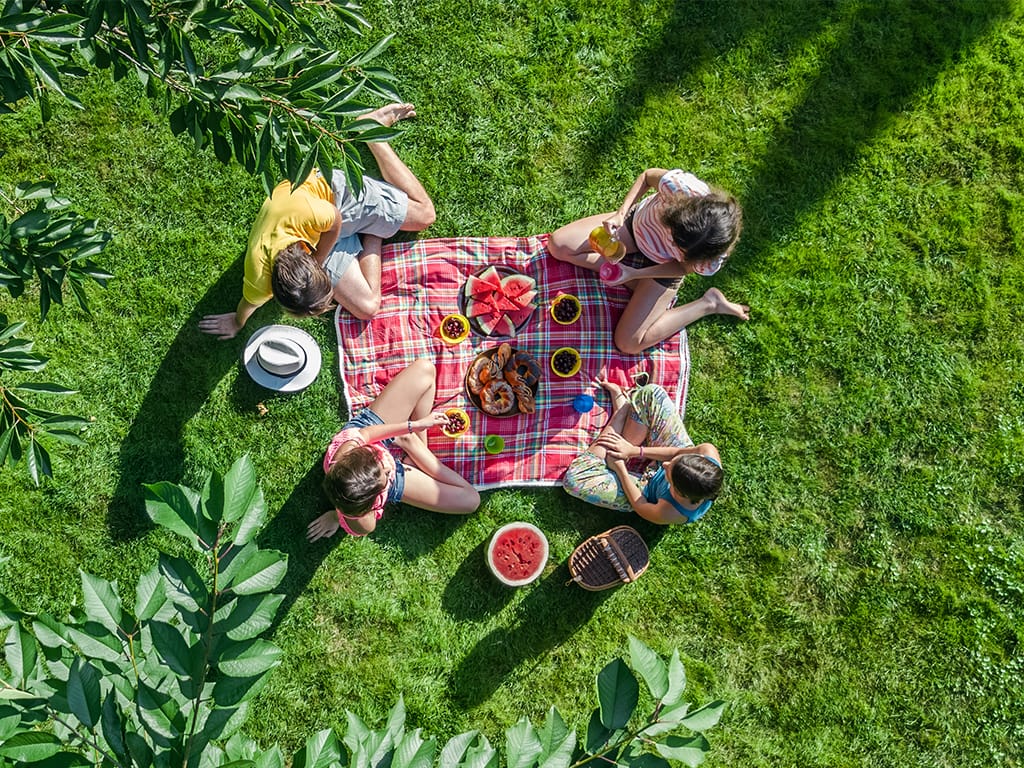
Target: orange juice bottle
point(608, 246)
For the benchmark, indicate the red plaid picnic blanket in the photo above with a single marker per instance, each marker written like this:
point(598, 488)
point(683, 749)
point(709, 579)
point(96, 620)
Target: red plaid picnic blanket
point(421, 282)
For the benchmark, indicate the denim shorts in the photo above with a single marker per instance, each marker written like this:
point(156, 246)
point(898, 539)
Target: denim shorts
point(367, 418)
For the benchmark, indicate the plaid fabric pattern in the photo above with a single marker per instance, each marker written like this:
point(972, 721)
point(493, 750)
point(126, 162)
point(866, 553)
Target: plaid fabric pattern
point(421, 282)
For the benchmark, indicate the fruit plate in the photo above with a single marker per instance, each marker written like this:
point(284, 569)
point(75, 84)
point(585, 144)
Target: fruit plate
point(518, 316)
point(514, 358)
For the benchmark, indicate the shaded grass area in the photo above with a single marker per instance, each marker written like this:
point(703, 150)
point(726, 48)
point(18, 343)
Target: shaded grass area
point(858, 590)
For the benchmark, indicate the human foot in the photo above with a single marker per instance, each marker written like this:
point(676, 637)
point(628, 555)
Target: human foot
point(613, 389)
point(390, 114)
point(719, 305)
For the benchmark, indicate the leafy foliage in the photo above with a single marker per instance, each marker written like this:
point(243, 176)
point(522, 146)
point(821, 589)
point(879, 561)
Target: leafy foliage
point(168, 680)
point(252, 78)
point(22, 423)
point(53, 243)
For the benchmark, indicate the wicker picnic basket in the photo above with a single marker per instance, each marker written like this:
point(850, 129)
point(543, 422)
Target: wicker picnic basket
point(617, 556)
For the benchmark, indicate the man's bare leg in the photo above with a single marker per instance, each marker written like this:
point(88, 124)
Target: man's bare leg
point(421, 213)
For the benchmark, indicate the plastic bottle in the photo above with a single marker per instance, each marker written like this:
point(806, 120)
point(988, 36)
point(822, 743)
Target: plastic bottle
point(606, 245)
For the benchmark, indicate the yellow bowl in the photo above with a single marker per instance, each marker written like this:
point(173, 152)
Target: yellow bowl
point(465, 422)
point(576, 366)
point(566, 297)
point(462, 321)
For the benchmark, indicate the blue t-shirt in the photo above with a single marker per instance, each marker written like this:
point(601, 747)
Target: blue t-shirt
point(657, 489)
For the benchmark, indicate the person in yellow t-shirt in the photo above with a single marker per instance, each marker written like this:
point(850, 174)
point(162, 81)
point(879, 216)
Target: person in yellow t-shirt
point(320, 244)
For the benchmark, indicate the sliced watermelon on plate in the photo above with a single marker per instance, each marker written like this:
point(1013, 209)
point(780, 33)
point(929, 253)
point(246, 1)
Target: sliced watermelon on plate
point(524, 300)
point(516, 285)
point(492, 277)
point(477, 288)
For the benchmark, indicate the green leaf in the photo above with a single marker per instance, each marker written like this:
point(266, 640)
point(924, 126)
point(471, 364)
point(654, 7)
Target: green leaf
point(676, 679)
point(107, 648)
point(159, 712)
point(102, 604)
point(705, 718)
point(521, 745)
point(174, 507)
point(481, 755)
point(371, 53)
point(395, 725)
point(113, 726)
point(271, 758)
point(30, 747)
point(648, 760)
point(20, 651)
point(33, 190)
point(150, 596)
point(183, 585)
point(456, 747)
point(320, 751)
point(252, 519)
point(651, 668)
point(84, 692)
point(668, 719)
point(597, 734)
point(249, 658)
point(618, 693)
point(260, 573)
point(557, 742)
point(231, 691)
point(414, 752)
point(247, 617)
point(241, 490)
point(172, 647)
point(687, 751)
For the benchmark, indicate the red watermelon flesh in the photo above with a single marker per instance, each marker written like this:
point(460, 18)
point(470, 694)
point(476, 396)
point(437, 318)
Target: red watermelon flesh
point(504, 327)
point(524, 300)
point(489, 322)
point(516, 285)
point(519, 316)
point(517, 554)
point(491, 277)
point(476, 308)
point(478, 288)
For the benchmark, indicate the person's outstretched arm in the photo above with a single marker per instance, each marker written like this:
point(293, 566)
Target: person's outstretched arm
point(658, 512)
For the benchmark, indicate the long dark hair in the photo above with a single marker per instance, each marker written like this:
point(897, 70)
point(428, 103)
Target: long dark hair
point(354, 481)
point(695, 476)
point(704, 227)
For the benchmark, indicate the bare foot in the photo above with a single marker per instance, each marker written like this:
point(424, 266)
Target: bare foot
point(390, 114)
point(722, 306)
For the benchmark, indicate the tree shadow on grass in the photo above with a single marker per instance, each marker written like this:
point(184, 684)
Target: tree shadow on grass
point(879, 55)
point(552, 613)
point(192, 367)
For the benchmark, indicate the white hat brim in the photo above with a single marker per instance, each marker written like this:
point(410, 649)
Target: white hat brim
point(296, 381)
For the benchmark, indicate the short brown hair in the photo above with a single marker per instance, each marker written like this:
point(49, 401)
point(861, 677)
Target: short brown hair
point(300, 285)
point(695, 476)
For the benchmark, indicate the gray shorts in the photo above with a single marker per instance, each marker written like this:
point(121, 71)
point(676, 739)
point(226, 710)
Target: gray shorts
point(380, 209)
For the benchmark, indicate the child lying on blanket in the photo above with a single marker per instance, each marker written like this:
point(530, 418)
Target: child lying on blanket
point(684, 227)
point(649, 427)
point(362, 476)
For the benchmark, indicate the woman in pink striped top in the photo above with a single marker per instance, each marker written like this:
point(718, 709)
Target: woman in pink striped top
point(683, 227)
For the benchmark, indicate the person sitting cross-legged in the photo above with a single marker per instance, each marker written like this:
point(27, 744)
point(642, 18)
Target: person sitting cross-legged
point(646, 425)
point(320, 243)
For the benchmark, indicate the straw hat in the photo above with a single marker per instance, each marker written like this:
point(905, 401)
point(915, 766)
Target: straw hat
point(282, 358)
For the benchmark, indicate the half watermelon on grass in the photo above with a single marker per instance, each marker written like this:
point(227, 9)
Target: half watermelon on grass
point(517, 554)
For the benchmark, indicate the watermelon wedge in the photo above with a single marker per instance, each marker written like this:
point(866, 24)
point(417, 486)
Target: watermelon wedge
point(516, 285)
point(497, 302)
point(491, 277)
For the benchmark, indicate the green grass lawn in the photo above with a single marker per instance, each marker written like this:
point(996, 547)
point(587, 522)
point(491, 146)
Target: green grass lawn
point(858, 590)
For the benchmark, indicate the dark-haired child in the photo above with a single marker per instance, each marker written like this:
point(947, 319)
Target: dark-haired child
point(361, 475)
point(647, 426)
point(683, 227)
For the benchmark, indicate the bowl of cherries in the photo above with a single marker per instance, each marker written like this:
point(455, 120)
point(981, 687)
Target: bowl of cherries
point(454, 329)
point(458, 422)
point(566, 362)
point(566, 309)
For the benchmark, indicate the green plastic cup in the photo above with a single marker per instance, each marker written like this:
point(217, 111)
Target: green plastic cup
point(494, 443)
